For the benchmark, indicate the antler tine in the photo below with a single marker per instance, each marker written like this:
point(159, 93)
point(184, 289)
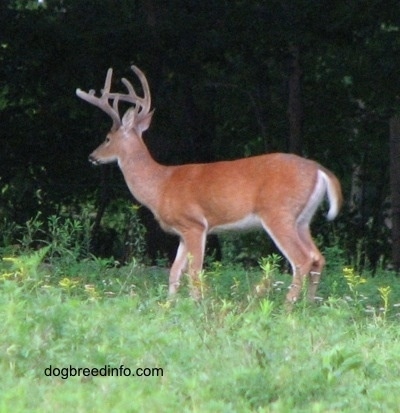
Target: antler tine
point(102, 102)
point(142, 104)
point(107, 83)
point(115, 104)
point(132, 96)
point(146, 89)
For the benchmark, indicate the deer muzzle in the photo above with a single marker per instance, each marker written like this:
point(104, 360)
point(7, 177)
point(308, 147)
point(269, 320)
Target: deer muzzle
point(93, 160)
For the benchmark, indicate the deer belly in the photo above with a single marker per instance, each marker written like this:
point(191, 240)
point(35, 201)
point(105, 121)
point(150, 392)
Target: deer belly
point(248, 223)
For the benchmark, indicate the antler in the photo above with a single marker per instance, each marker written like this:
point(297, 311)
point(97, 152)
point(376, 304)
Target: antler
point(142, 104)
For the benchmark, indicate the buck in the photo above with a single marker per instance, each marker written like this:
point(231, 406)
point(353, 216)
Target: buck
point(277, 192)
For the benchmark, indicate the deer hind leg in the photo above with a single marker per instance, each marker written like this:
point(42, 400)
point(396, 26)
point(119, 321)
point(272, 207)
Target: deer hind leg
point(190, 256)
point(318, 261)
point(287, 238)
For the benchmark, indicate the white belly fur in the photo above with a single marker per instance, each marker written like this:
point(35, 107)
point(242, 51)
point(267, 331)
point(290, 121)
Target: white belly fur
point(248, 223)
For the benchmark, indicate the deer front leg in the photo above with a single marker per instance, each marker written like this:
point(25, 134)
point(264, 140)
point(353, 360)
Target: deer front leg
point(178, 267)
point(190, 256)
point(195, 241)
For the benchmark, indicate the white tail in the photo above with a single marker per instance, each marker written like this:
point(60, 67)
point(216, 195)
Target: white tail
point(278, 192)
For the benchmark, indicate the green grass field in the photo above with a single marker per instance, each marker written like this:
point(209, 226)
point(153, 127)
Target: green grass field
point(239, 350)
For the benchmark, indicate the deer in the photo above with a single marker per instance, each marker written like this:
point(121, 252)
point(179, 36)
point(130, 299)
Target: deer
point(276, 192)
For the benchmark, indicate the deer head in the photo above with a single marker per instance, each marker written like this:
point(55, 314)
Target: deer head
point(126, 133)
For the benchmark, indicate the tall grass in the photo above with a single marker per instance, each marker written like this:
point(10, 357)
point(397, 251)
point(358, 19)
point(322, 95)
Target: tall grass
point(238, 350)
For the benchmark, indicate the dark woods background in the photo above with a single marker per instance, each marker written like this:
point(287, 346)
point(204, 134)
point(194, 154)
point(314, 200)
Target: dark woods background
point(228, 79)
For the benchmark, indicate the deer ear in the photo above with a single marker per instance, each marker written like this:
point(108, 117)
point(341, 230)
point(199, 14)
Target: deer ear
point(144, 122)
point(132, 120)
point(128, 120)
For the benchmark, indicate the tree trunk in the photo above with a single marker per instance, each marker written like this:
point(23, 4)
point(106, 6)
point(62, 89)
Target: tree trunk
point(295, 106)
point(395, 188)
point(102, 203)
point(356, 198)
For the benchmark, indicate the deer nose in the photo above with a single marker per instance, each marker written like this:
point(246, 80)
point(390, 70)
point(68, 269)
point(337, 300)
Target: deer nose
point(93, 160)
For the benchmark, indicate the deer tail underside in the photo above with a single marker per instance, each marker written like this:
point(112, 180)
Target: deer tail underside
point(334, 193)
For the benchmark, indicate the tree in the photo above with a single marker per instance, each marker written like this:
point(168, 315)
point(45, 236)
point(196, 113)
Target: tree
point(228, 79)
point(395, 188)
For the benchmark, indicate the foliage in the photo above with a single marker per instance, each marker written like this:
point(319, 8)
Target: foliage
point(122, 218)
point(25, 267)
point(69, 235)
point(238, 349)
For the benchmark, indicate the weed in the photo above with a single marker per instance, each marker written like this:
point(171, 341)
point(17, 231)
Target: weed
point(68, 237)
point(385, 293)
point(32, 233)
point(269, 266)
point(68, 285)
point(266, 307)
point(338, 361)
point(25, 267)
point(353, 281)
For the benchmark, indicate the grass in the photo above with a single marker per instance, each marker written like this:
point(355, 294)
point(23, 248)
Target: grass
point(238, 350)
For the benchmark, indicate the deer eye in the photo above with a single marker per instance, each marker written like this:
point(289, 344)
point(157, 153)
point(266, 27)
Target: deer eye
point(108, 139)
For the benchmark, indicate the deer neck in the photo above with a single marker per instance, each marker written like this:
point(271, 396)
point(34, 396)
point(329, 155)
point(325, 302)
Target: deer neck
point(143, 175)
